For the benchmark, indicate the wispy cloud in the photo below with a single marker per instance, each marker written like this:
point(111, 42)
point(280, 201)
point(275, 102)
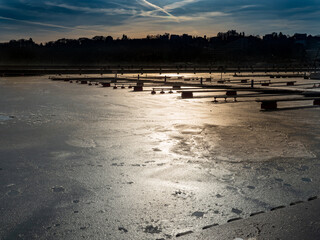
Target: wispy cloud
point(49, 26)
point(35, 23)
point(300, 9)
point(250, 6)
point(108, 11)
point(72, 18)
point(203, 16)
point(179, 4)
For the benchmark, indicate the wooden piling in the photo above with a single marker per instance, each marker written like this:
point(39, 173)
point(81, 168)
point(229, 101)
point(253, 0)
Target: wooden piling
point(186, 94)
point(269, 105)
point(316, 102)
point(137, 88)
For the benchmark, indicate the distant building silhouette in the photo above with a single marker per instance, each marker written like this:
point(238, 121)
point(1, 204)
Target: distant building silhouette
point(228, 47)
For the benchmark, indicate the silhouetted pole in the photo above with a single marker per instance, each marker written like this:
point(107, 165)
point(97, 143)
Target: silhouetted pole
point(252, 83)
point(201, 80)
point(165, 78)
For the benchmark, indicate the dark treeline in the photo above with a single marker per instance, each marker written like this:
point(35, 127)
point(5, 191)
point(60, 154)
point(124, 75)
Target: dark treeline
point(225, 47)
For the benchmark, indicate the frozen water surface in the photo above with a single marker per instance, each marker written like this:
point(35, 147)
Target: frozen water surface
point(81, 161)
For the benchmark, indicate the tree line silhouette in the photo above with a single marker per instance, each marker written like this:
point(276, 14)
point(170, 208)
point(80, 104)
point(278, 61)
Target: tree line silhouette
point(230, 46)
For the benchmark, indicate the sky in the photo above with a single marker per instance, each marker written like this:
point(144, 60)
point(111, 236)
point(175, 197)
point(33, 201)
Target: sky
point(48, 20)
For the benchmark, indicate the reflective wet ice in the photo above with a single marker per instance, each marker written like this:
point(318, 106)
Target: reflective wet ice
point(83, 161)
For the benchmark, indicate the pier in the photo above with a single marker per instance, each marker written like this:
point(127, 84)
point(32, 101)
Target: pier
point(195, 87)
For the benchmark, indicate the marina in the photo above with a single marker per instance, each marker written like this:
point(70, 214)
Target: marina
point(231, 85)
point(112, 159)
point(159, 120)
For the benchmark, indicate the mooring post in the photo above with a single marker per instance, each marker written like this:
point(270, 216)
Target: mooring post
point(252, 83)
point(269, 105)
point(201, 80)
point(137, 88)
point(165, 78)
point(187, 94)
point(316, 102)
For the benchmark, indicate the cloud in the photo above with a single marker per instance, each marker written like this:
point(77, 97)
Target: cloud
point(67, 18)
point(35, 23)
point(108, 11)
point(203, 15)
point(188, 18)
point(179, 4)
point(249, 6)
point(51, 27)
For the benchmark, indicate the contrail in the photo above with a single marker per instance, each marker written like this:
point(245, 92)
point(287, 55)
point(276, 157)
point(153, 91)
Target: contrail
point(35, 23)
point(48, 24)
point(157, 7)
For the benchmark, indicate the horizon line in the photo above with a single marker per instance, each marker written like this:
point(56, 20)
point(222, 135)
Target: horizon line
point(155, 35)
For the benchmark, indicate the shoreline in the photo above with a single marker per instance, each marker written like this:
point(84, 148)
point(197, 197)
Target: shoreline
point(13, 71)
